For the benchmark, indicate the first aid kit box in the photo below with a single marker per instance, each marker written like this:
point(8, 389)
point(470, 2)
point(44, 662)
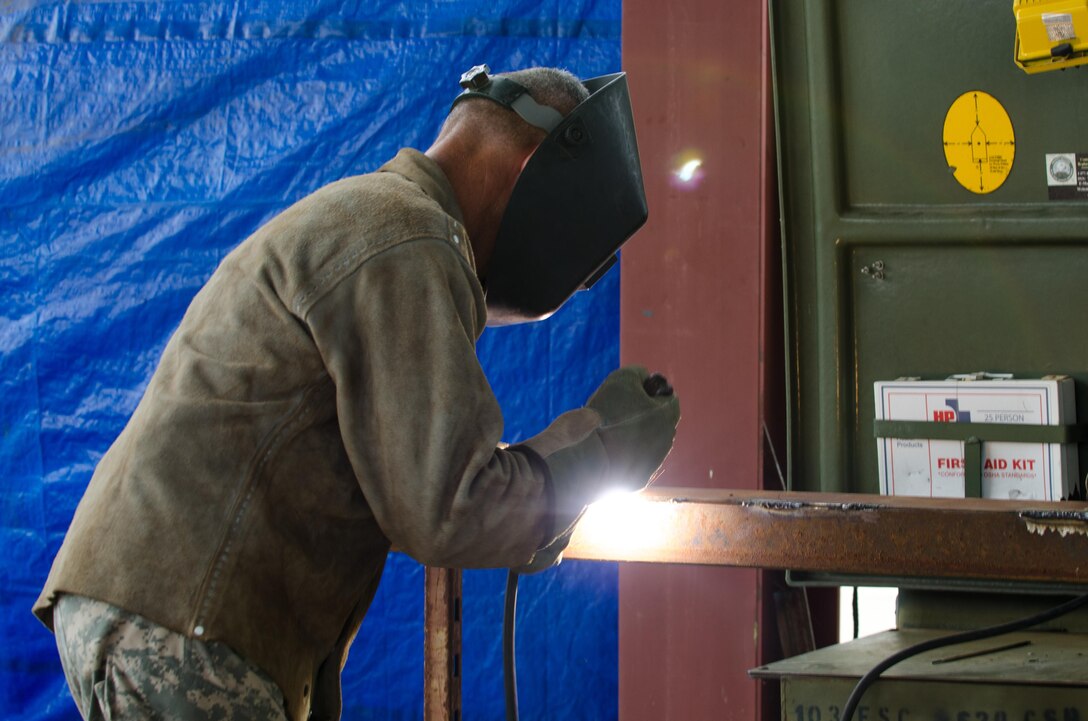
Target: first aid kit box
point(921, 466)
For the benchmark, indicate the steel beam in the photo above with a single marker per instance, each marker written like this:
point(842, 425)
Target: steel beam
point(844, 534)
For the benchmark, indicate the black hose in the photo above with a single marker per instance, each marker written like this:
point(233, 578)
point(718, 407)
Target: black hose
point(510, 674)
point(857, 617)
point(980, 633)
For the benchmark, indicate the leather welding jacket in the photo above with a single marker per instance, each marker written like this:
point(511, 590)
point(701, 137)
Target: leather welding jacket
point(320, 401)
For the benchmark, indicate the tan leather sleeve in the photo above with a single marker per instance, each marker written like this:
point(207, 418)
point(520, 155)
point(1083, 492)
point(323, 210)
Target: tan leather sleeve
point(417, 416)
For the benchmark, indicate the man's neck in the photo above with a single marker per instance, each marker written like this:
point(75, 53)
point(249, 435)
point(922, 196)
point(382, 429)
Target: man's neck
point(482, 176)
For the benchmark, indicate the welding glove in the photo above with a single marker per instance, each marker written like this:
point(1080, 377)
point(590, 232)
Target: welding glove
point(618, 441)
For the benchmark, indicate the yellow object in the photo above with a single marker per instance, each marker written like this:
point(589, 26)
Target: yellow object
point(979, 143)
point(1050, 34)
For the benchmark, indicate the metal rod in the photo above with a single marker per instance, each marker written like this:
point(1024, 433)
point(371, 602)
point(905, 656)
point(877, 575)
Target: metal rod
point(844, 533)
point(442, 645)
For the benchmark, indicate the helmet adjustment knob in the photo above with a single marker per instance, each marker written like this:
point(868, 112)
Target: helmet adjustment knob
point(475, 77)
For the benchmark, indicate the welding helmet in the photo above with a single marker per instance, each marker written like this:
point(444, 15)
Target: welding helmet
point(578, 199)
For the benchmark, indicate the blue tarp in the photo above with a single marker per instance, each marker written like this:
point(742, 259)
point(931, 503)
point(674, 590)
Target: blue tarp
point(139, 143)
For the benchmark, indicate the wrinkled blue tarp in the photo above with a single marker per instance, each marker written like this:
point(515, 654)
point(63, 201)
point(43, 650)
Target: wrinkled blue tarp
point(139, 143)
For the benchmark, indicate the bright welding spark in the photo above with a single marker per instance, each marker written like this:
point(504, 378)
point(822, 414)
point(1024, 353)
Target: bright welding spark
point(624, 521)
point(613, 496)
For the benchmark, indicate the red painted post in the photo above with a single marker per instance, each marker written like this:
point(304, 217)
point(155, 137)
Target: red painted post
point(700, 302)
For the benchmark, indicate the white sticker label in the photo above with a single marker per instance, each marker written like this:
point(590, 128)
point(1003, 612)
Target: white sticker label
point(1067, 176)
point(1061, 169)
point(1059, 26)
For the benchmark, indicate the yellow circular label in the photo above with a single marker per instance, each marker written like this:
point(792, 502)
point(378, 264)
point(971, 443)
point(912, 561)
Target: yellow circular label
point(979, 143)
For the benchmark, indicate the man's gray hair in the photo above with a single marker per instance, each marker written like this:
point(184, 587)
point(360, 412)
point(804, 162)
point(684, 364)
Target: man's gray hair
point(553, 87)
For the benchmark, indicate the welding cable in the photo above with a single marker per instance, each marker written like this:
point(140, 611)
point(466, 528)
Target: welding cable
point(857, 616)
point(975, 635)
point(654, 385)
point(509, 670)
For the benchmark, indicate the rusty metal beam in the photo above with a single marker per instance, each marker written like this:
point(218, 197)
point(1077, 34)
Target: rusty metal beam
point(442, 645)
point(845, 534)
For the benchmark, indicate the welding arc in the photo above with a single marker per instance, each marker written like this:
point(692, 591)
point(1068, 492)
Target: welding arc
point(509, 669)
point(655, 385)
point(975, 635)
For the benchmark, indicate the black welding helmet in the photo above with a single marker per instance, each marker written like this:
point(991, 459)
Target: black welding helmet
point(578, 199)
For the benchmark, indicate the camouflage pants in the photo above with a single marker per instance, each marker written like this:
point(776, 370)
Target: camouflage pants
point(121, 666)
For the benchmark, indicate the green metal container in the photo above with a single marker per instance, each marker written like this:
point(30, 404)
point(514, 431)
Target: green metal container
point(897, 264)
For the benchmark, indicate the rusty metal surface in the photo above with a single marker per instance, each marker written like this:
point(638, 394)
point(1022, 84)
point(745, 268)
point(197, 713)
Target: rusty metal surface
point(442, 640)
point(845, 533)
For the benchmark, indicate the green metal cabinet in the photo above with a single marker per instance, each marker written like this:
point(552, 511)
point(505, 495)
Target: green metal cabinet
point(893, 267)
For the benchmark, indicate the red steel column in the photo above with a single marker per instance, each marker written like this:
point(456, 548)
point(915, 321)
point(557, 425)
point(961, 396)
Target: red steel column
point(696, 286)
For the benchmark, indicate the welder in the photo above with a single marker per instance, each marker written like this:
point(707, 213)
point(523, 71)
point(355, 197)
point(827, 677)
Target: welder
point(321, 401)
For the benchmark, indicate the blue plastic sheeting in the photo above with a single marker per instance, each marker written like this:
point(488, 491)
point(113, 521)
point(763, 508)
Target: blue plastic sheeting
point(140, 142)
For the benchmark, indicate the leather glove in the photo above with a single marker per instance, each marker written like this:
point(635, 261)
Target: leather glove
point(637, 429)
point(619, 440)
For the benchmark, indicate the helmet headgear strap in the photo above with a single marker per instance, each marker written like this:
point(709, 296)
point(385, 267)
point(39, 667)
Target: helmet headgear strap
point(477, 83)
